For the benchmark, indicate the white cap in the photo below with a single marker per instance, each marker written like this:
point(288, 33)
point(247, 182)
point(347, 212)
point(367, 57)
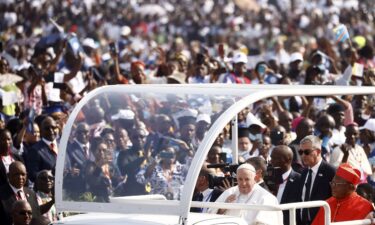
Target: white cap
point(187, 112)
point(295, 56)
point(125, 114)
point(246, 166)
point(204, 117)
point(125, 31)
point(239, 57)
point(89, 42)
point(369, 125)
point(252, 120)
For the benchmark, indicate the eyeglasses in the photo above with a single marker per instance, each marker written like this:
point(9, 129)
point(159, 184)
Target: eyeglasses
point(25, 212)
point(306, 151)
point(334, 184)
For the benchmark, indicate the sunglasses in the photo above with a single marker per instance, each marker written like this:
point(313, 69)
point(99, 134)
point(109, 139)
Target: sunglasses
point(25, 212)
point(306, 151)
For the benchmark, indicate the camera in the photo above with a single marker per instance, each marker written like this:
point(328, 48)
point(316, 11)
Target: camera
point(227, 168)
point(273, 177)
point(215, 181)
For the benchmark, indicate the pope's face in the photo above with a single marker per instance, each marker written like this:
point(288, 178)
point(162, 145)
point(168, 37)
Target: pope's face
point(246, 181)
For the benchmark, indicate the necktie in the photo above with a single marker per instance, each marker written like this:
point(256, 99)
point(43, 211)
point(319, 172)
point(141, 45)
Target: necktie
point(85, 150)
point(200, 197)
point(53, 148)
point(305, 211)
point(19, 195)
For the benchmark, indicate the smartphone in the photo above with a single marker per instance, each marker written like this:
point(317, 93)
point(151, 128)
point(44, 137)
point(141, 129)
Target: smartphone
point(113, 48)
point(262, 69)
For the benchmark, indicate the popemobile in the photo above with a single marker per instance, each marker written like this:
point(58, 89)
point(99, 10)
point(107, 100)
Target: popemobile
point(128, 183)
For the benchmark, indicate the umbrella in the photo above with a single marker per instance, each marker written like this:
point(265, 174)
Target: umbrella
point(151, 9)
point(9, 78)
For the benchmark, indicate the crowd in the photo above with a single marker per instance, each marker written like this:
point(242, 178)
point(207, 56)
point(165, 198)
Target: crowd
point(52, 53)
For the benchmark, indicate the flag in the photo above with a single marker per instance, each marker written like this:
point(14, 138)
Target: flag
point(341, 33)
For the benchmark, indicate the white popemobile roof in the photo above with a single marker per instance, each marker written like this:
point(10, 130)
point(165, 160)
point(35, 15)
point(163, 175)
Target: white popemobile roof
point(242, 96)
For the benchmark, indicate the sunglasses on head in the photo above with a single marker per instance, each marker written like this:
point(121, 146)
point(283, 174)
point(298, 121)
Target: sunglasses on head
point(25, 212)
point(306, 151)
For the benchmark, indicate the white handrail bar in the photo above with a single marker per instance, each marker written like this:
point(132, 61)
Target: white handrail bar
point(287, 206)
point(355, 222)
point(290, 206)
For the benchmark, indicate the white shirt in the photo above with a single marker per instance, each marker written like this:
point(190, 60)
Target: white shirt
point(313, 175)
point(280, 192)
point(7, 160)
point(206, 197)
point(16, 190)
point(357, 158)
point(49, 142)
point(257, 196)
point(83, 145)
point(338, 136)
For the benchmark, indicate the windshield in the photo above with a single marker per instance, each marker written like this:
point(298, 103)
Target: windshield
point(137, 143)
point(133, 144)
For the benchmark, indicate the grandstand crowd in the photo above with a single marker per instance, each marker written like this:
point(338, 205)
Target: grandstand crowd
point(52, 53)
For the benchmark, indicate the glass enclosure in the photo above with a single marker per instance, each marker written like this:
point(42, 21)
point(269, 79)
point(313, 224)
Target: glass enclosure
point(124, 145)
point(137, 143)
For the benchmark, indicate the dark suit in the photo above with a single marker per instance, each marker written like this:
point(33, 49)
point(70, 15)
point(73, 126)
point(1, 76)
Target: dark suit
point(289, 194)
point(320, 190)
point(8, 197)
point(77, 155)
point(40, 157)
point(213, 196)
point(3, 172)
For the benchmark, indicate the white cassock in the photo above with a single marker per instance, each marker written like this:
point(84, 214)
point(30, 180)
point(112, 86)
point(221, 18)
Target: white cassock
point(257, 196)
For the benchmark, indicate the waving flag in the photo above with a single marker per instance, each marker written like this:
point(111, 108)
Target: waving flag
point(341, 33)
